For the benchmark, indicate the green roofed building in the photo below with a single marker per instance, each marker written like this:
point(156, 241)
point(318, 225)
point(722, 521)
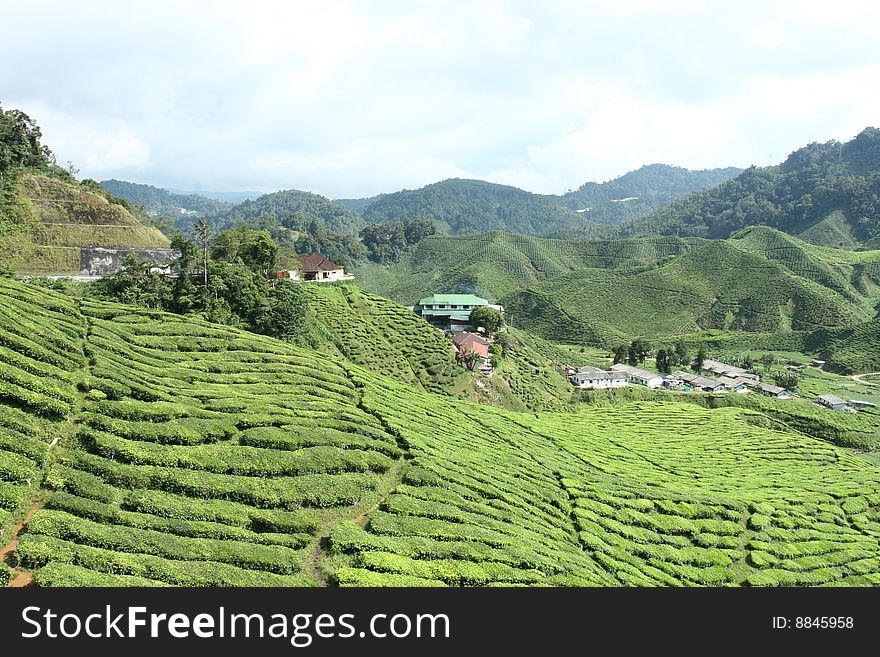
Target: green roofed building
point(452, 310)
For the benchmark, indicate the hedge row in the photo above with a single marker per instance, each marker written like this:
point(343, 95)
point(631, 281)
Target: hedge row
point(237, 459)
point(35, 551)
point(66, 575)
point(177, 507)
point(59, 524)
point(103, 513)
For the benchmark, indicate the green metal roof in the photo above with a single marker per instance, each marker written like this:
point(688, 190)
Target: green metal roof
point(460, 316)
point(454, 299)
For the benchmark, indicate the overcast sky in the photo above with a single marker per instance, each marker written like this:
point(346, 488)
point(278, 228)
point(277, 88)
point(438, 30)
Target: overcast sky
point(352, 99)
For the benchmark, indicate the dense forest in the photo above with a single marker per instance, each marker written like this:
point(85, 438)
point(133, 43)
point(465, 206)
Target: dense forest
point(828, 193)
point(161, 202)
point(475, 206)
point(640, 192)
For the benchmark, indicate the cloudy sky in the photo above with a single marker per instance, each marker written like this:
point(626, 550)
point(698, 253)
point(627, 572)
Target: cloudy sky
point(352, 99)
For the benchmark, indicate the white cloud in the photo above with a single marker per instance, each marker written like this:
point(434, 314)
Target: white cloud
point(352, 98)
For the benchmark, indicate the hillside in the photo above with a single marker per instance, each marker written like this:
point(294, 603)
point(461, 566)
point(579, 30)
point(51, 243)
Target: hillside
point(292, 208)
point(161, 202)
point(824, 193)
point(387, 338)
point(849, 350)
point(474, 206)
point(496, 264)
point(198, 455)
point(600, 292)
point(640, 192)
point(717, 286)
point(45, 219)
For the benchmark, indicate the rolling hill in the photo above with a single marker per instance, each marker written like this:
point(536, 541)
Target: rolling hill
point(149, 449)
point(824, 193)
point(601, 292)
point(640, 192)
point(474, 206)
point(497, 263)
point(161, 202)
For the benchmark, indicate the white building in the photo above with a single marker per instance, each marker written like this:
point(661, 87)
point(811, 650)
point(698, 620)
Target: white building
point(639, 376)
point(593, 377)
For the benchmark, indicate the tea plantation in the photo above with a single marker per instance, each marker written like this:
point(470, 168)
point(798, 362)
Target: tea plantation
point(150, 449)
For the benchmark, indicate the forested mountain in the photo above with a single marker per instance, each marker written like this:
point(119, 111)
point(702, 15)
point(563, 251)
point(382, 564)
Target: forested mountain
point(640, 192)
point(294, 209)
point(474, 206)
point(827, 193)
point(161, 202)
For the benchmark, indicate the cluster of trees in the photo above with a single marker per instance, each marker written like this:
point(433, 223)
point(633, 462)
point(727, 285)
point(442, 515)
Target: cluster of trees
point(20, 143)
point(225, 278)
point(386, 243)
point(639, 349)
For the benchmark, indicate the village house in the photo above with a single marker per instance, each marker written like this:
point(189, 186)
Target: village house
point(639, 376)
point(720, 369)
point(833, 402)
point(735, 384)
point(769, 390)
point(452, 310)
point(317, 268)
point(465, 342)
point(593, 377)
point(857, 403)
point(698, 382)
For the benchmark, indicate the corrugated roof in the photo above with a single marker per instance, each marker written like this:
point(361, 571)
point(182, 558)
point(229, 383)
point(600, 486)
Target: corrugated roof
point(315, 262)
point(834, 400)
point(454, 299)
point(467, 336)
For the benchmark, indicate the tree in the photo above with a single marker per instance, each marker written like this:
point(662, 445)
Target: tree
point(620, 353)
point(638, 351)
point(470, 359)
point(681, 353)
point(700, 359)
point(202, 236)
point(664, 360)
point(788, 380)
point(768, 360)
point(285, 313)
point(489, 319)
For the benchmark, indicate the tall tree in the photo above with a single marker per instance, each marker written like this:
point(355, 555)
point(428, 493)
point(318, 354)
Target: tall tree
point(700, 359)
point(202, 232)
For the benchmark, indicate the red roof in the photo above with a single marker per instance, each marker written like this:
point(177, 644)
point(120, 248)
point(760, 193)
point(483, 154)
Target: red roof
point(467, 337)
point(315, 262)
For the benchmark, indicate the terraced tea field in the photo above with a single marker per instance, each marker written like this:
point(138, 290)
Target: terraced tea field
point(150, 449)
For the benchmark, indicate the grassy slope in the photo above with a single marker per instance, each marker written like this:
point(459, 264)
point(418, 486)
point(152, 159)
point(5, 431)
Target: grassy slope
point(387, 338)
point(603, 292)
point(715, 286)
point(497, 264)
point(195, 454)
point(49, 219)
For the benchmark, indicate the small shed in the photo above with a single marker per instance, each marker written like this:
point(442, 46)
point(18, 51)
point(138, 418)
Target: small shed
point(833, 402)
